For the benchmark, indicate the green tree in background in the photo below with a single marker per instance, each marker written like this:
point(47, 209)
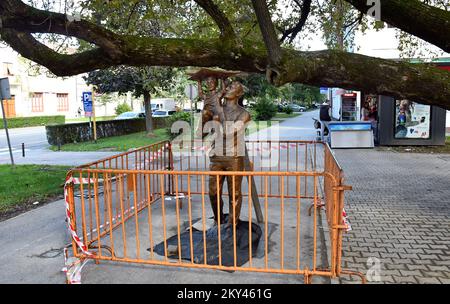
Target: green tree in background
point(142, 81)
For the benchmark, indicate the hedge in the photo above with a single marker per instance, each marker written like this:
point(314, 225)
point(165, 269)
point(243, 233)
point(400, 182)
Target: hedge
point(80, 132)
point(21, 122)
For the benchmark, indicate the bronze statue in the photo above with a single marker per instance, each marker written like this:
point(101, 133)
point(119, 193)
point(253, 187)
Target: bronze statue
point(231, 118)
point(231, 158)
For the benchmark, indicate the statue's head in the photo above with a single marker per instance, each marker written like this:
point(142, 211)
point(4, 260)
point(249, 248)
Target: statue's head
point(211, 83)
point(234, 91)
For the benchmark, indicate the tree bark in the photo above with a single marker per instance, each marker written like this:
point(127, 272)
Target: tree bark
point(417, 82)
point(267, 31)
point(414, 17)
point(148, 113)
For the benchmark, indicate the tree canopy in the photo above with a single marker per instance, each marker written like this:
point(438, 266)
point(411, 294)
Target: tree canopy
point(255, 36)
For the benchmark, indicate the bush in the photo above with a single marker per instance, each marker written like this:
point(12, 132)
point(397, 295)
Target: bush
point(179, 116)
point(122, 108)
point(264, 109)
point(288, 110)
point(22, 122)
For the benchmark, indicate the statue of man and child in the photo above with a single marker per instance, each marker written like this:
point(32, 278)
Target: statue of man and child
point(223, 113)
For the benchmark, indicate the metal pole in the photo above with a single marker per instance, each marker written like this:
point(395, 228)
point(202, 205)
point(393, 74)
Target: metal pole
point(93, 113)
point(191, 94)
point(5, 124)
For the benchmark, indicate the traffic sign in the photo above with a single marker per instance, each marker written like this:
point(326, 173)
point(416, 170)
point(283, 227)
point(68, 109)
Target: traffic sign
point(87, 104)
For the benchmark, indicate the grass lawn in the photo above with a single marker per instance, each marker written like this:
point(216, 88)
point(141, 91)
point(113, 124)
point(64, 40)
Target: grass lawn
point(116, 143)
point(25, 184)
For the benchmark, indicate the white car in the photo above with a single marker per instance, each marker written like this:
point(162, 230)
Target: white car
point(162, 113)
point(130, 115)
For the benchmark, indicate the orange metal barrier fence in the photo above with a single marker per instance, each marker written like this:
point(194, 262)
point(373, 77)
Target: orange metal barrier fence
point(121, 207)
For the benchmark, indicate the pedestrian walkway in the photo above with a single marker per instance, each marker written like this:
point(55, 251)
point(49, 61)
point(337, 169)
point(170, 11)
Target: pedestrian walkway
point(400, 214)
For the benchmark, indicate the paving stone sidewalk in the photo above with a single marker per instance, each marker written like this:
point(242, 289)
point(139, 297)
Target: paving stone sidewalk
point(400, 214)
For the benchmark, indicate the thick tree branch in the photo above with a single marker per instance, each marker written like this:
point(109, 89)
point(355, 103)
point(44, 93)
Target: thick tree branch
point(21, 17)
point(414, 17)
point(293, 32)
point(219, 18)
point(417, 82)
point(268, 31)
point(60, 64)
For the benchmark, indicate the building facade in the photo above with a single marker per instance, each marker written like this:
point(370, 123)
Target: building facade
point(44, 95)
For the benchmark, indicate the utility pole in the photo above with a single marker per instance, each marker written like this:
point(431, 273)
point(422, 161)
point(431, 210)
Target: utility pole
point(5, 94)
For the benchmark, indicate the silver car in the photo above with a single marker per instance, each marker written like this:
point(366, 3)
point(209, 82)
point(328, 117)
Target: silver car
point(130, 115)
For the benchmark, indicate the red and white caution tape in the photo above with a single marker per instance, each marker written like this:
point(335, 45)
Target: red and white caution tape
point(73, 266)
point(72, 231)
point(345, 221)
point(266, 147)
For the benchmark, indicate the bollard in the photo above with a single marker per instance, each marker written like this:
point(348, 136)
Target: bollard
point(23, 149)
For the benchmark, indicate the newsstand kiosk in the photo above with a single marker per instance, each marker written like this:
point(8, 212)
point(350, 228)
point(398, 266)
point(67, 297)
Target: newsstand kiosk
point(406, 123)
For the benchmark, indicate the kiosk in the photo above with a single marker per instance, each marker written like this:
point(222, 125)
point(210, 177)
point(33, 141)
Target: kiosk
point(406, 123)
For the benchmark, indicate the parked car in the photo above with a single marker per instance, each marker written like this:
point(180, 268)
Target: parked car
point(163, 113)
point(297, 108)
point(131, 115)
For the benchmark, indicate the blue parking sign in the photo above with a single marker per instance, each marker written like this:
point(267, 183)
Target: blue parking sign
point(87, 104)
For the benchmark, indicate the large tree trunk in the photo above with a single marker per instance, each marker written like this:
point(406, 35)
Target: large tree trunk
point(148, 113)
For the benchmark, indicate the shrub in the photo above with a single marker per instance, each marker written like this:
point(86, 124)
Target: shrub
point(288, 110)
point(179, 116)
point(22, 122)
point(264, 109)
point(122, 108)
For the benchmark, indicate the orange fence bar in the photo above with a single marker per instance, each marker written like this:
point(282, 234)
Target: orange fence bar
point(163, 178)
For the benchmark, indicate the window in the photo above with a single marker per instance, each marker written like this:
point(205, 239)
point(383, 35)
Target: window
point(37, 102)
point(63, 102)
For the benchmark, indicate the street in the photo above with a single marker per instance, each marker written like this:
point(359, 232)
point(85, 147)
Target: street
point(37, 149)
point(34, 138)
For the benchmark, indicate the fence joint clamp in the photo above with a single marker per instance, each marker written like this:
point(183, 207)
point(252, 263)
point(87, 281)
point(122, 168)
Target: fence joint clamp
point(343, 188)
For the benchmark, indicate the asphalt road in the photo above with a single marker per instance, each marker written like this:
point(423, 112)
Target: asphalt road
point(34, 138)
point(37, 149)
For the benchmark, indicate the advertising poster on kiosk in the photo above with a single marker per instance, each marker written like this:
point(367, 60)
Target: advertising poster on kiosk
point(412, 120)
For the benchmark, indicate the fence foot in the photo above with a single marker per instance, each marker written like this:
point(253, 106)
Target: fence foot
point(355, 273)
point(312, 206)
point(307, 277)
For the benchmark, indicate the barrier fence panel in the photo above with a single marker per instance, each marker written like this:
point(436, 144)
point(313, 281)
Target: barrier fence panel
point(152, 206)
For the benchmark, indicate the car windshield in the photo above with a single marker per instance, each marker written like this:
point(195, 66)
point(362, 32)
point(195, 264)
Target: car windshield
point(159, 113)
